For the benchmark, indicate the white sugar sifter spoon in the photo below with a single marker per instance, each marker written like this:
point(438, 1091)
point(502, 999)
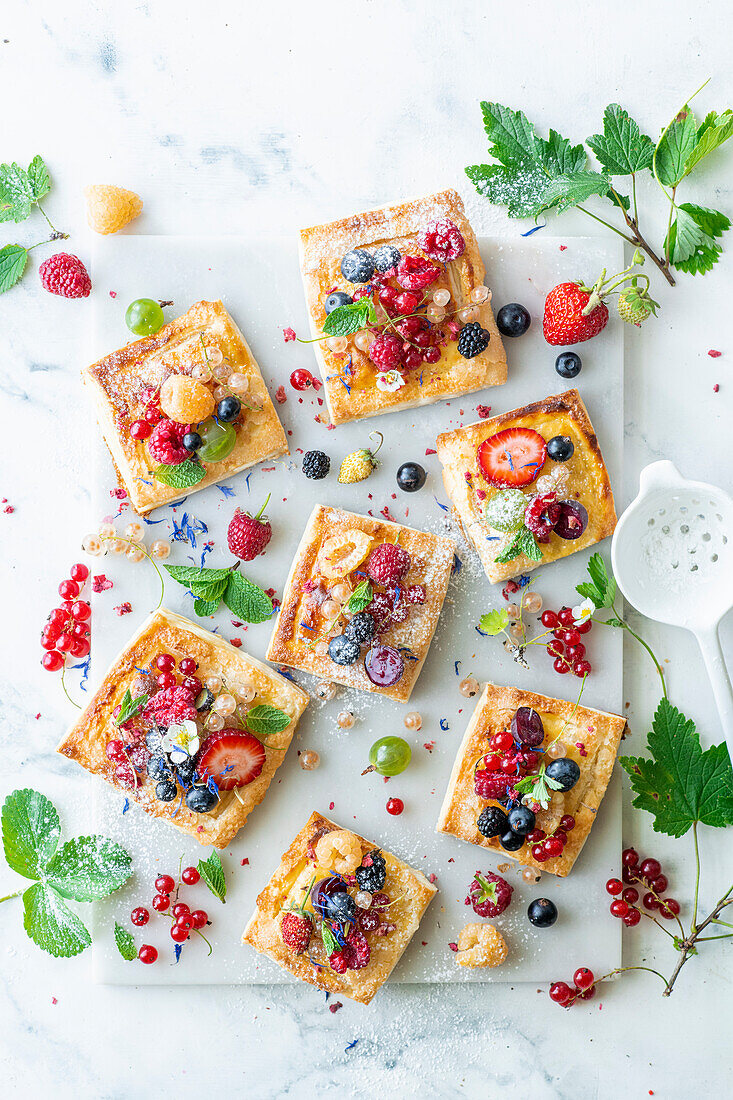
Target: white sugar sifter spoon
point(672, 556)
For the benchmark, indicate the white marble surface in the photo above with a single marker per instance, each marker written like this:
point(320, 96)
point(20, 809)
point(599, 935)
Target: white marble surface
point(238, 118)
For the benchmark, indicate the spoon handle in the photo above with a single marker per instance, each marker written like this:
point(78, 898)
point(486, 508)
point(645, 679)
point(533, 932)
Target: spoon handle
point(719, 679)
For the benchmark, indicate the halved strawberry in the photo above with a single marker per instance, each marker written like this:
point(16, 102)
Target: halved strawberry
point(232, 757)
point(512, 457)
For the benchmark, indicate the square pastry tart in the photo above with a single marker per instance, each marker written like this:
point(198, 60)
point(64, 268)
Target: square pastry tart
point(362, 601)
point(541, 812)
point(414, 322)
point(338, 912)
point(529, 486)
point(184, 408)
point(189, 727)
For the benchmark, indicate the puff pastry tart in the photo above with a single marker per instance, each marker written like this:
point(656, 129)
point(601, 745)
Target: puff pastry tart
point(338, 912)
point(529, 486)
point(166, 432)
point(200, 751)
point(401, 292)
point(362, 601)
point(541, 812)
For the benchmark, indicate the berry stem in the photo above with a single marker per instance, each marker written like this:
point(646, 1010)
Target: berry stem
point(262, 509)
point(697, 876)
point(131, 542)
point(9, 896)
point(66, 690)
point(622, 622)
point(57, 234)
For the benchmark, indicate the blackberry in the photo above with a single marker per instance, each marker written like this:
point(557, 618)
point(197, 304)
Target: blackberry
point(201, 800)
point(338, 298)
point(492, 822)
point(343, 650)
point(316, 464)
point(166, 790)
point(386, 257)
point(361, 628)
point(372, 876)
point(357, 266)
point(473, 340)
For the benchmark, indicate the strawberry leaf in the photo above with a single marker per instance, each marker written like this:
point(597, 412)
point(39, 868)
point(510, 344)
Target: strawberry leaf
point(16, 193)
point(88, 867)
point(31, 832)
point(51, 924)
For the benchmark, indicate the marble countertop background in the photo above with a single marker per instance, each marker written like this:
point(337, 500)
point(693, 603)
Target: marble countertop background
point(253, 118)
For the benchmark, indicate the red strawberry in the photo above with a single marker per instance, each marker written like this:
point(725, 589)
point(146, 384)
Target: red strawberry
point(232, 757)
point(512, 457)
point(489, 894)
point(249, 535)
point(296, 928)
point(565, 321)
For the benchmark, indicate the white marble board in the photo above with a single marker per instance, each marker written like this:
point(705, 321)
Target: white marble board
point(258, 280)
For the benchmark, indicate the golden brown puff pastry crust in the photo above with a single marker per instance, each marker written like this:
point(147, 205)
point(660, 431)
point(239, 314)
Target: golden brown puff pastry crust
point(432, 561)
point(166, 632)
point(562, 414)
point(117, 381)
point(599, 735)
point(322, 247)
point(411, 891)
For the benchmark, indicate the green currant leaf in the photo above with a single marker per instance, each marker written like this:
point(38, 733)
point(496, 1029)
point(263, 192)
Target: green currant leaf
point(13, 258)
point(494, 622)
point(622, 149)
point(712, 133)
point(566, 191)
point(675, 147)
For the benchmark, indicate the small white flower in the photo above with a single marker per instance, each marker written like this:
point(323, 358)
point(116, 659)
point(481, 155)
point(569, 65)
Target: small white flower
point(583, 612)
point(390, 380)
point(181, 741)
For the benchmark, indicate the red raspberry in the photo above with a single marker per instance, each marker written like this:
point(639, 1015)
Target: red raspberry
point(296, 931)
point(492, 784)
point(387, 563)
point(380, 610)
point(170, 706)
point(165, 443)
point(415, 272)
point(248, 535)
point(65, 275)
point(441, 240)
point(386, 351)
point(489, 894)
point(542, 515)
point(353, 956)
point(415, 593)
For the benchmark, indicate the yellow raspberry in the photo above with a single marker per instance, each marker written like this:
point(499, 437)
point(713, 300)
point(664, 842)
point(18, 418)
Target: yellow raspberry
point(481, 945)
point(186, 400)
point(109, 207)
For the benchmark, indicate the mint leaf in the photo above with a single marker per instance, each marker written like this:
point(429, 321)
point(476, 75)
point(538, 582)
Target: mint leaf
point(344, 320)
point(51, 924)
point(329, 940)
point(31, 832)
point(182, 476)
point(212, 873)
point(523, 542)
point(360, 598)
point(712, 132)
point(191, 575)
point(266, 720)
point(246, 600)
point(125, 943)
point(13, 258)
point(205, 607)
point(566, 191)
point(622, 149)
point(681, 784)
point(494, 622)
point(88, 867)
point(38, 178)
point(130, 707)
point(675, 146)
point(16, 193)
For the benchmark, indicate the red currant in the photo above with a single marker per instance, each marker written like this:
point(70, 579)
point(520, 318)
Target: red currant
point(140, 916)
point(79, 647)
point(48, 641)
point(65, 642)
point(179, 934)
point(538, 853)
point(508, 764)
point(301, 379)
point(79, 572)
point(432, 355)
point(68, 590)
point(164, 884)
point(565, 616)
point(650, 869)
point(619, 908)
point(164, 662)
point(588, 994)
point(560, 993)
point(395, 806)
point(571, 637)
point(161, 903)
point(630, 895)
point(180, 909)
point(629, 857)
point(188, 666)
point(558, 632)
point(190, 876)
point(669, 908)
point(185, 921)
point(503, 741)
point(166, 680)
point(650, 902)
point(583, 628)
point(536, 836)
point(193, 684)
point(125, 775)
point(561, 836)
point(147, 954)
point(582, 668)
point(200, 918)
point(58, 616)
point(140, 429)
point(152, 415)
point(614, 886)
point(567, 821)
point(576, 652)
point(583, 977)
point(659, 885)
point(530, 759)
point(549, 619)
point(561, 666)
point(632, 917)
point(52, 661)
point(115, 750)
point(556, 649)
point(492, 762)
point(628, 875)
point(552, 847)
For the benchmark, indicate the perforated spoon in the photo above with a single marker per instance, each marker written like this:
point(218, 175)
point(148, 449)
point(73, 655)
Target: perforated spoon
point(672, 556)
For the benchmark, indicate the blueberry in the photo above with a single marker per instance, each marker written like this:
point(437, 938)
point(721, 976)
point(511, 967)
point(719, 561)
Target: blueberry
point(157, 767)
point(511, 842)
point(343, 650)
point(192, 441)
point(568, 364)
point(338, 298)
point(166, 790)
point(357, 266)
point(152, 740)
point(411, 477)
point(521, 820)
point(560, 448)
point(360, 628)
point(513, 320)
point(204, 699)
point(542, 912)
point(564, 771)
point(185, 771)
point(342, 906)
point(201, 800)
point(228, 408)
point(492, 822)
point(386, 257)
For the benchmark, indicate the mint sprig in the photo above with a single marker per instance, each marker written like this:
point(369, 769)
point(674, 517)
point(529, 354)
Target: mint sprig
point(125, 943)
point(212, 874)
point(523, 542)
point(344, 320)
point(360, 598)
point(130, 707)
point(182, 476)
point(85, 869)
point(266, 720)
point(246, 600)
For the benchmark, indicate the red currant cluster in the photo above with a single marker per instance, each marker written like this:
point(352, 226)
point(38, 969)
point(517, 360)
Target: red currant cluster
point(67, 627)
point(583, 988)
point(648, 874)
point(141, 429)
point(567, 647)
point(184, 921)
point(546, 847)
